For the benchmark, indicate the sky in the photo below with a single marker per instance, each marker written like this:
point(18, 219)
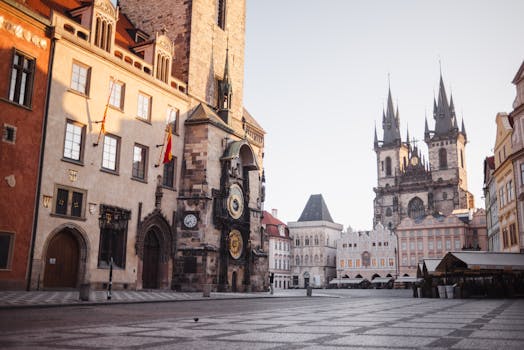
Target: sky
point(316, 79)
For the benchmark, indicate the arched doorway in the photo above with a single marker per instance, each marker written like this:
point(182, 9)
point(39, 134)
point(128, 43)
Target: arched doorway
point(306, 279)
point(151, 261)
point(234, 282)
point(61, 261)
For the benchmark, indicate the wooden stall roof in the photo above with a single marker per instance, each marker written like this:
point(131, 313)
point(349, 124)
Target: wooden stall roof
point(481, 261)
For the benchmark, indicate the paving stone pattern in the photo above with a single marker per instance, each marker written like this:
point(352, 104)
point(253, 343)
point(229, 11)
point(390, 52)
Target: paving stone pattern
point(343, 323)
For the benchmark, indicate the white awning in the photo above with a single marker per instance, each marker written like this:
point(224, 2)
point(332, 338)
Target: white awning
point(347, 281)
point(381, 279)
point(408, 279)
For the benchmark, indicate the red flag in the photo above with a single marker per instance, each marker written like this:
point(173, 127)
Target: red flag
point(168, 155)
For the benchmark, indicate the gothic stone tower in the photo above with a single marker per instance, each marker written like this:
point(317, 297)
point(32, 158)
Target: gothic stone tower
point(407, 184)
point(447, 156)
point(220, 188)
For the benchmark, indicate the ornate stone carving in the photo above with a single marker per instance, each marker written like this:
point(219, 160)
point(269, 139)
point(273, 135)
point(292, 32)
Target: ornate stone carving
point(18, 31)
point(106, 7)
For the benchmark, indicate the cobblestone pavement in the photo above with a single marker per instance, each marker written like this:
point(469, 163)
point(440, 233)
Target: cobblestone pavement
point(308, 323)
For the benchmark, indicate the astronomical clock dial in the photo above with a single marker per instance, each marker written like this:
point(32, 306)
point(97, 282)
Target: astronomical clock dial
point(236, 244)
point(190, 220)
point(235, 201)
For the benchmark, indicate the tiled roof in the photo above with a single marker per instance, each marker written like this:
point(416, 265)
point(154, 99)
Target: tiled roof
point(272, 224)
point(315, 210)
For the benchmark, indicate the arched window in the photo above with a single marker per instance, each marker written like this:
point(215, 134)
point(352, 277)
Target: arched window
point(388, 166)
point(316, 259)
point(307, 241)
point(416, 208)
point(297, 260)
point(442, 158)
point(388, 212)
point(316, 240)
point(306, 260)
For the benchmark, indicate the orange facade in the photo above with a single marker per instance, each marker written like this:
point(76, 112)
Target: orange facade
point(25, 51)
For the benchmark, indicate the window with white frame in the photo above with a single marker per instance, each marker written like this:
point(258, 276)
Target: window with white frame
point(419, 245)
point(172, 118)
point(404, 245)
point(509, 187)
point(139, 162)
point(22, 75)
point(439, 245)
point(116, 98)
point(80, 78)
point(110, 152)
point(457, 244)
point(448, 244)
point(431, 245)
point(73, 141)
point(144, 106)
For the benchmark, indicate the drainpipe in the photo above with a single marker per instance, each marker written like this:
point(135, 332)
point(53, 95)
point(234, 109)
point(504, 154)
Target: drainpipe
point(41, 162)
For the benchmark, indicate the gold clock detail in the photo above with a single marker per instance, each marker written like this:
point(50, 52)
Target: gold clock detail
point(236, 244)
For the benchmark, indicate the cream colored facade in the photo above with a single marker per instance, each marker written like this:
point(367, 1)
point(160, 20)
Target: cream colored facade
point(150, 205)
point(517, 140)
point(434, 236)
point(314, 252)
point(505, 184)
point(367, 254)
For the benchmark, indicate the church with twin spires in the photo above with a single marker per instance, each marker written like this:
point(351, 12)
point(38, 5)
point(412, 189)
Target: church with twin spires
point(411, 184)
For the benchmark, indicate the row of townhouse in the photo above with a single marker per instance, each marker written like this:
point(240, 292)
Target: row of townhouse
point(128, 151)
point(504, 178)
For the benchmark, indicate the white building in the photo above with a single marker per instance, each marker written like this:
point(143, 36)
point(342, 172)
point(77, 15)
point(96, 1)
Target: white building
point(279, 249)
point(367, 254)
point(314, 236)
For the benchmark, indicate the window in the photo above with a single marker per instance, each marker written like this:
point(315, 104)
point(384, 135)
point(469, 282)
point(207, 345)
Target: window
point(168, 179)
point(116, 98)
point(6, 250)
point(403, 245)
point(509, 188)
point(374, 262)
point(431, 245)
point(22, 74)
point(388, 212)
point(388, 166)
point(297, 242)
point(513, 234)
point(307, 241)
point(316, 240)
point(522, 174)
point(391, 262)
point(442, 158)
point(350, 262)
point(297, 260)
point(144, 106)
point(411, 245)
point(139, 162)
point(172, 118)
point(9, 134)
point(457, 244)
point(110, 153)
point(439, 245)
point(103, 33)
point(382, 262)
point(416, 208)
point(221, 13)
point(448, 244)
point(342, 263)
point(419, 245)
point(80, 78)
point(70, 202)
point(162, 67)
point(404, 260)
point(413, 260)
point(113, 236)
point(502, 197)
point(461, 158)
point(74, 140)
point(357, 263)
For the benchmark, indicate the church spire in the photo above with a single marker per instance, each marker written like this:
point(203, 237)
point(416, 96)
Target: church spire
point(375, 141)
point(391, 124)
point(443, 113)
point(225, 91)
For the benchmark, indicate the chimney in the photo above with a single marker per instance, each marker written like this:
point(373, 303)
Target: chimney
point(274, 212)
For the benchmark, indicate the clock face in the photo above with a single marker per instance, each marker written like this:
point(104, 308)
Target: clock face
point(190, 220)
point(235, 201)
point(236, 244)
point(414, 160)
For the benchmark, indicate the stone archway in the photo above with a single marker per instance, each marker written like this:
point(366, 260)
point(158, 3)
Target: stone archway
point(64, 258)
point(155, 246)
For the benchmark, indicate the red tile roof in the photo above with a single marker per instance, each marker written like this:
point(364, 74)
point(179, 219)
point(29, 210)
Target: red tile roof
point(272, 224)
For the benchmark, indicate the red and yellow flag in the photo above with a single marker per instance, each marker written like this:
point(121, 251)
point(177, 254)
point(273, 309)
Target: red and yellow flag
point(168, 155)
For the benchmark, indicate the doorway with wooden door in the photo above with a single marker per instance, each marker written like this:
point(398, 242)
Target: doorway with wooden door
point(62, 261)
point(234, 282)
point(151, 262)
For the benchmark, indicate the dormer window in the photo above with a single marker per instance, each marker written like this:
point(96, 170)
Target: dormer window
point(162, 68)
point(103, 33)
point(221, 13)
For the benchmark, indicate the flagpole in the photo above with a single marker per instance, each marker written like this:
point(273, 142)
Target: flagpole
point(166, 135)
point(102, 128)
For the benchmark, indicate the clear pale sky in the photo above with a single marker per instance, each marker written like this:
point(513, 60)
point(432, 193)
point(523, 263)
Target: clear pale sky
point(316, 78)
